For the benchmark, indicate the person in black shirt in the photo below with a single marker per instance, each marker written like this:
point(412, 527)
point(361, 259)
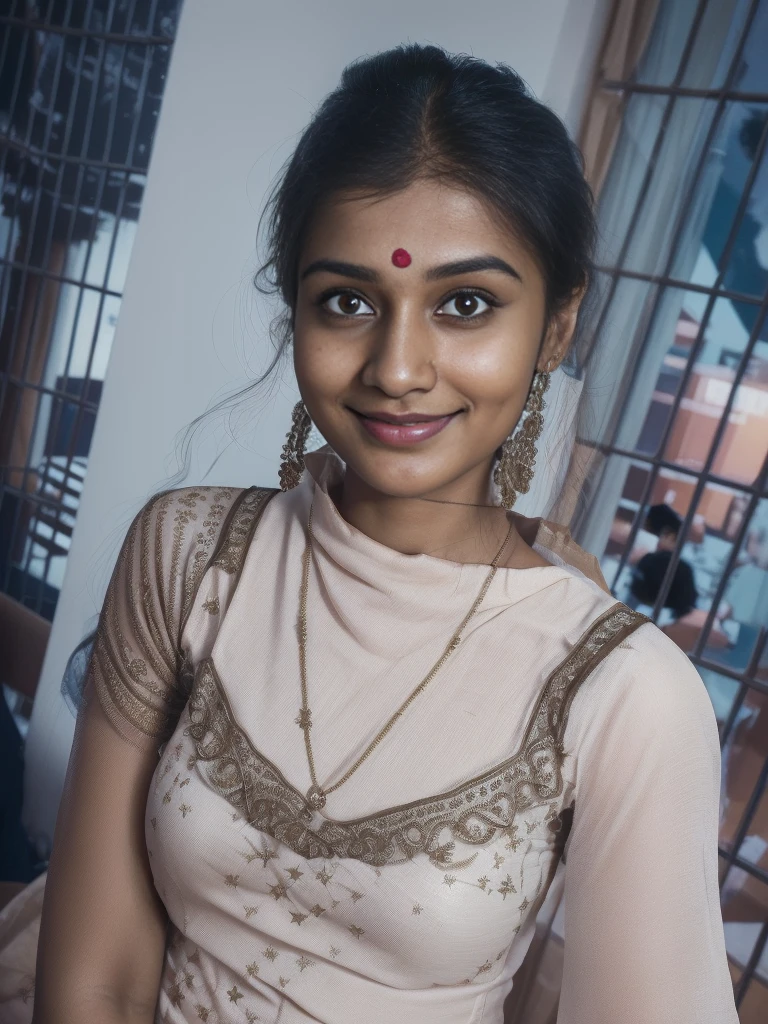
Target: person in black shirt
point(649, 572)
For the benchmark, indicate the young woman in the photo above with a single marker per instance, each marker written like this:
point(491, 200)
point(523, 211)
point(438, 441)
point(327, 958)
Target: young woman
point(336, 738)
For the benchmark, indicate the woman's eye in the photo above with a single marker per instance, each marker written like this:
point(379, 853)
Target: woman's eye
point(466, 305)
point(347, 304)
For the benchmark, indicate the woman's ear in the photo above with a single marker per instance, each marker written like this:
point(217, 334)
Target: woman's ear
point(559, 333)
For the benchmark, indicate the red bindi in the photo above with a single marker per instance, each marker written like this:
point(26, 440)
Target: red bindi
point(401, 258)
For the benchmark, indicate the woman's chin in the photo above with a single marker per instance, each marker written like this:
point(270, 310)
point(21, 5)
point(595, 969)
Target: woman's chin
point(397, 476)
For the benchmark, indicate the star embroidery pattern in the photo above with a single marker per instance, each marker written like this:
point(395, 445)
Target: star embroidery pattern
point(175, 994)
point(304, 962)
point(417, 908)
point(231, 881)
point(249, 912)
point(185, 809)
point(211, 606)
point(203, 1012)
point(334, 951)
point(283, 982)
point(498, 860)
point(278, 892)
point(483, 882)
point(323, 876)
point(266, 853)
point(357, 932)
point(271, 954)
point(317, 910)
point(234, 994)
point(513, 840)
point(297, 918)
point(507, 887)
point(252, 970)
point(449, 880)
point(295, 874)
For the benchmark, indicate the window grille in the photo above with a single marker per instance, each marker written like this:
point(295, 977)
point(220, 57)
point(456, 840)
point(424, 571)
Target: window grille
point(81, 83)
point(683, 301)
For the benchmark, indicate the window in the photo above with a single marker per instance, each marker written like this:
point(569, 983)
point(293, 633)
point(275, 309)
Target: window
point(681, 426)
point(81, 82)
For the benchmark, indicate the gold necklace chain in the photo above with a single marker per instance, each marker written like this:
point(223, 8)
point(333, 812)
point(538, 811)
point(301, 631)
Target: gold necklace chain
point(316, 795)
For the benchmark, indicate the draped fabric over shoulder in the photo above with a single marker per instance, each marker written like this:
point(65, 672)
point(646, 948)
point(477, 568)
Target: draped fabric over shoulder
point(565, 727)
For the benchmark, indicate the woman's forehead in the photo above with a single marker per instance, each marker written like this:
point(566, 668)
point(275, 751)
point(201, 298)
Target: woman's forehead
point(433, 221)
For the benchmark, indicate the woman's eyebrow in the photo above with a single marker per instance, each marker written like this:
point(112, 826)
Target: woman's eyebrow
point(354, 270)
point(471, 266)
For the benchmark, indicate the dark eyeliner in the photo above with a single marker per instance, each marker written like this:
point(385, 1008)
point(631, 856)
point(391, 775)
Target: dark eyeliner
point(331, 293)
point(479, 292)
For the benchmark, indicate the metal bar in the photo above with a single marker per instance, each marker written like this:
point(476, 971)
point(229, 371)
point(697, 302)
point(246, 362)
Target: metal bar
point(610, 85)
point(745, 865)
point(38, 154)
point(661, 463)
point(737, 675)
point(46, 500)
point(749, 971)
point(4, 52)
point(3, 156)
point(736, 706)
point(52, 392)
point(62, 30)
point(749, 812)
point(61, 278)
point(672, 282)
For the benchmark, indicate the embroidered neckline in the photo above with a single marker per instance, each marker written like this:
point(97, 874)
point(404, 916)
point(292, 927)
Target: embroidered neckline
point(473, 813)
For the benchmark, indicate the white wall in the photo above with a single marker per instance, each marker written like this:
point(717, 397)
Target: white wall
point(244, 79)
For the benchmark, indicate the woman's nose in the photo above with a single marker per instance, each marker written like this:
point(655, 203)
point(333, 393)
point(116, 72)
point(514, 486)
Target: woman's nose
point(402, 354)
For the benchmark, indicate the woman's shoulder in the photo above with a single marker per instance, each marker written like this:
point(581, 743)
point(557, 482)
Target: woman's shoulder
point(181, 531)
point(646, 688)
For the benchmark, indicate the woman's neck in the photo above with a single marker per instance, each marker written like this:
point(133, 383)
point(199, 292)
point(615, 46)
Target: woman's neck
point(462, 527)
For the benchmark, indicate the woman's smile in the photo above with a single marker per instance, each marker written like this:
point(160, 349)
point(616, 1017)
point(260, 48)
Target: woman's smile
point(405, 429)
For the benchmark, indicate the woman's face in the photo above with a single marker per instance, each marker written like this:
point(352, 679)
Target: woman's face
point(455, 335)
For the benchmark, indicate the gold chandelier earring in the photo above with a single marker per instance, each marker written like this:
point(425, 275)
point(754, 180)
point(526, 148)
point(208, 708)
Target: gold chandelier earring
point(292, 462)
point(517, 456)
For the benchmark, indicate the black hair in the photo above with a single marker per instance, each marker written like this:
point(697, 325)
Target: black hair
point(417, 112)
point(663, 517)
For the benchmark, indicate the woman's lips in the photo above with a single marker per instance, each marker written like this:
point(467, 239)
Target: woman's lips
point(402, 434)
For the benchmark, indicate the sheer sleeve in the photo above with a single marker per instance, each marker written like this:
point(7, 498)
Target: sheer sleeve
point(136, 664)
point(644, 939)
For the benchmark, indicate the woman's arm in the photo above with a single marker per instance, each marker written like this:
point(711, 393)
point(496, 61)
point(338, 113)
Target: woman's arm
point(644, 939)
point(102, 936)
point(102, 932)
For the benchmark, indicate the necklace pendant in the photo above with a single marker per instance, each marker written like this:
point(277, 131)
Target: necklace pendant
point(316, 798)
